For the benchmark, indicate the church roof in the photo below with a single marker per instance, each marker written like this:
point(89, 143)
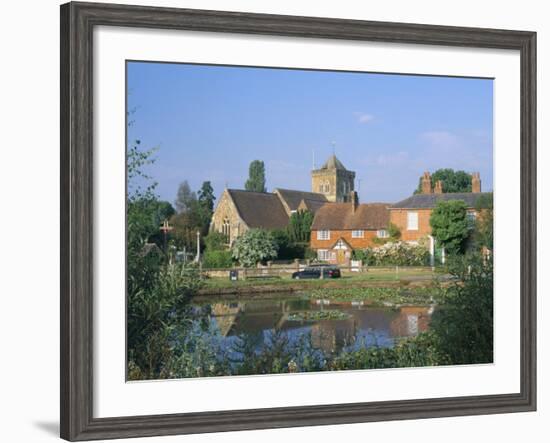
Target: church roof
point(293, 198)
point(427, 201)
point(259, 209)
point(333, 163)
point(340, 216)
point(311, 205)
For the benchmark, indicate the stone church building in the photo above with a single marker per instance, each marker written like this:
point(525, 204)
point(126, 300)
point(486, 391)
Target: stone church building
point(238, 210)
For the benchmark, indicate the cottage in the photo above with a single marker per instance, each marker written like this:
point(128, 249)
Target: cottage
point(339, 228)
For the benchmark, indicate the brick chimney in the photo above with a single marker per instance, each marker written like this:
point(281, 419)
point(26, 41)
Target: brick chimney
point(476, 182)
point(354, 199)
point(438, 187)
point(426, 183)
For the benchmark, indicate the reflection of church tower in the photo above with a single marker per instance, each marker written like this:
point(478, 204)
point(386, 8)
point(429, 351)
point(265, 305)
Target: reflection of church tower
point(333, 180)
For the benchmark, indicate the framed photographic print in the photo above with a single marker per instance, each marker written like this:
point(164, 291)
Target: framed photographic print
point(272, 221)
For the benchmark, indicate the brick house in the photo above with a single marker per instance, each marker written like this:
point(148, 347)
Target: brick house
point(339, 228)
point(412, 215)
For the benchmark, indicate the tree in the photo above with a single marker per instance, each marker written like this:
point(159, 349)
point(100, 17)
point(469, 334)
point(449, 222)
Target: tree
point(450, 225)
point(215, 241)
point(206, 197)
point(185, 198)
point(484, 221)
point(299, 226)
point(453, 181)
point(256, 245)
point(256, 177)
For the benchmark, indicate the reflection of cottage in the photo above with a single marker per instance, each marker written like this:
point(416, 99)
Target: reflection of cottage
point(410, 321)
point(339, 228)
point(412, 215)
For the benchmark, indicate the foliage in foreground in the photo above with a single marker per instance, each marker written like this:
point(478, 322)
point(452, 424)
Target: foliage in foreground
point(460, 333)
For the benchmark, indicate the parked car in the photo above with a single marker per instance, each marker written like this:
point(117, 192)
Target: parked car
point(313, 272)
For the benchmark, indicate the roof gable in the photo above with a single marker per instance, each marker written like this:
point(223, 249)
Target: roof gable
point(293, 198)
point(259, 209)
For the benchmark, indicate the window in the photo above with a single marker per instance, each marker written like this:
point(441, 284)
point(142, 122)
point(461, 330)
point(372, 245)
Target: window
point(382, 233)
point(323, 254)
point(471, 215)
point(359, 233)
point(324, 187)
point(412, 221)
point(226, 229)
point(323, 234)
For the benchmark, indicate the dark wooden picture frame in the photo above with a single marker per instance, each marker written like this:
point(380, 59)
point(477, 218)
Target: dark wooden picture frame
point(77, 23)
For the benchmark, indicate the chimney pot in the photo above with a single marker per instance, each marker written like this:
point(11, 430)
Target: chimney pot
point(476, 182)
point(426, 183)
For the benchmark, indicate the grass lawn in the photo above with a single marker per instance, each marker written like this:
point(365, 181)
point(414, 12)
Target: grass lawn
point(349, 280)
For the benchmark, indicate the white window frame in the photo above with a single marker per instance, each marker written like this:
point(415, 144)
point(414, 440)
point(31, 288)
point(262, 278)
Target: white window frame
point(382, 233)
point(412, 226)
point(323, 254)
point(358, 233)
point(323, 234)
point(471, 216)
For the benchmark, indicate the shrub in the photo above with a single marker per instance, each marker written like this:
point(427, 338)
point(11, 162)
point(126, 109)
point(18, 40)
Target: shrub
point(255, 246)
point(394, 254)
point(215, 241)
point(217, 259)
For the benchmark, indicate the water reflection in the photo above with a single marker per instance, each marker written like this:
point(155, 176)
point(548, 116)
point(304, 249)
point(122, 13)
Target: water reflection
point(361, 326)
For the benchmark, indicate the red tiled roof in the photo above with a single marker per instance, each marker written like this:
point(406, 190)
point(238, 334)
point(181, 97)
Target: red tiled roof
point(340, 216)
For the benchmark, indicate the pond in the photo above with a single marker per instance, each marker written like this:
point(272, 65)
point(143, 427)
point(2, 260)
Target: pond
point(333, 325)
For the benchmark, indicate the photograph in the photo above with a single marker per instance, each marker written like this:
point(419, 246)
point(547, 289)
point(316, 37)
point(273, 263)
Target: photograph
point(284, 220)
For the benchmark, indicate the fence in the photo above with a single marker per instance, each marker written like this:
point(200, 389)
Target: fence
point(281, 270)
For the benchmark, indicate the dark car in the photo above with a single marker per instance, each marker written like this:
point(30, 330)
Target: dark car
point(313, 272)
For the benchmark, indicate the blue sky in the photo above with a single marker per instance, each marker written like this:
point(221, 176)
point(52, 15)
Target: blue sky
point(210, 122)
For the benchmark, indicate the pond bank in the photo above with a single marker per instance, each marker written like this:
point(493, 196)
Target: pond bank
point(289, 286)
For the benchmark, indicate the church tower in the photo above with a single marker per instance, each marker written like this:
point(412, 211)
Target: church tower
point(333, 180)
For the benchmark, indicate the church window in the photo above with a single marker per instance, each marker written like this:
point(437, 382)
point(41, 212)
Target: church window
point(226, 229)
point(324, 187)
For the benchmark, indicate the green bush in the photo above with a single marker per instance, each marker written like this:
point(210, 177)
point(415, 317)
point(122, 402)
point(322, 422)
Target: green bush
point(215, 241)
point(217, 259)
